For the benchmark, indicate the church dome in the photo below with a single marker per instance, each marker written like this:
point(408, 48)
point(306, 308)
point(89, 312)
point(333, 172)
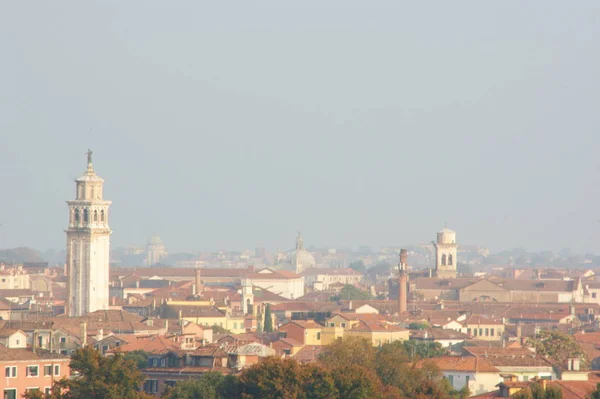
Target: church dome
point(301, 259)
point(155, 240)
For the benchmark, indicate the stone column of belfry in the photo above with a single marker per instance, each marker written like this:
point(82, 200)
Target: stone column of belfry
point(402, 282)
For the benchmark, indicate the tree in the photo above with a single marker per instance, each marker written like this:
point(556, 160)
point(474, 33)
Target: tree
point(349, 292)
point(423, 349)
point(212, 385)
point(556, 346)
point(268, 319)
point(139, 357)
point(418, 325)
point(537, 391)
point(349, 351)
point(99, 377)
point(275, 378)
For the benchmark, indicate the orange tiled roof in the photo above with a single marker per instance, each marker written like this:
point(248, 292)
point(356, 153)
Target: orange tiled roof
point(461, 363)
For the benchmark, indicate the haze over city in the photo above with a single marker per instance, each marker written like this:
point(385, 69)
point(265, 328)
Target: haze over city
point(355, 123)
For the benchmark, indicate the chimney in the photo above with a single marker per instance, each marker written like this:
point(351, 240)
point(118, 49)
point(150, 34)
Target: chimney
point(402, 282)
point(350, 305)
point(83, 333)
point(573, 364)
point(538, 274)
point(34, 341)
point(166, 326)
point(194, 289)
point(572, 310)
point(519, 333)
point(198, 280)
point(100, 335)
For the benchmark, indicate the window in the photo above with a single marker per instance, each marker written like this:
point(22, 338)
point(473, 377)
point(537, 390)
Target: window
point(151, 386)
point(492, 331)
point(10, 393)
point(475, 332)
point(57, 369)
point(32, 371)
point(444, 260)
point(287, 352)
point(48, 370)
point(104, 348)
point(487, 332)
point(4, 280)
point(593, 293)
point(451, 379)
point(343, 325)
point(480, 332)
point(47, 390)
point(234, 325)
point(450, 260)
point(170, 383)
point(318, 335)
point(10, 371)
point(331, 324)
point(63, 351)
point(525, 378)
point(86, 216)
point(467, 378)
point(469, 331)
point(102, 215)
point(63, 340)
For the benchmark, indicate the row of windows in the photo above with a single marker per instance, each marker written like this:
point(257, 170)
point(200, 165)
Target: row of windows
point(77, 216)
point(488, 332)
point(32, 371)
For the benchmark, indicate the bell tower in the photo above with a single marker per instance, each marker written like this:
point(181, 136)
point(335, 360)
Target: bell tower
point(88, 245)
point(445, 253)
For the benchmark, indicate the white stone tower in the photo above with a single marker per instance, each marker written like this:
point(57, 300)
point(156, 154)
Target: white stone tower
point(445, 254)
point(88, 246)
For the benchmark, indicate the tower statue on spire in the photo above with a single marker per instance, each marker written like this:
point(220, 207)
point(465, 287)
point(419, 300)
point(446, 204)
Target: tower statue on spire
point(89, 156)
point(299, 242)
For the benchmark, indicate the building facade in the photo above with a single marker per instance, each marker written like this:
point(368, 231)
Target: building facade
point(88, 246)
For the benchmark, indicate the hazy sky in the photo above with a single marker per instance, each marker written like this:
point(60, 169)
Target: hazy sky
point(235, 124)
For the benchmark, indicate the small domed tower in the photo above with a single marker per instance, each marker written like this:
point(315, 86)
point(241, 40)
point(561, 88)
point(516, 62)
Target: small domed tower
point(445, 254)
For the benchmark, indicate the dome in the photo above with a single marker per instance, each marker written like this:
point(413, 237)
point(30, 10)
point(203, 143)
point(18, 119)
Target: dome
point(155, 240)
point(301, 259)
point(446, 230)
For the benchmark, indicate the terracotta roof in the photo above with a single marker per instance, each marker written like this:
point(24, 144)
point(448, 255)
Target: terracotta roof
point(434, 283)
point(574, 389)
point(155, 344)
point(313, 271)
point(461, 363)
point(509, 357)
point(481, 319)
point(538, 285)
point(308, 353)
point(308, 324)
point(7, 354)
